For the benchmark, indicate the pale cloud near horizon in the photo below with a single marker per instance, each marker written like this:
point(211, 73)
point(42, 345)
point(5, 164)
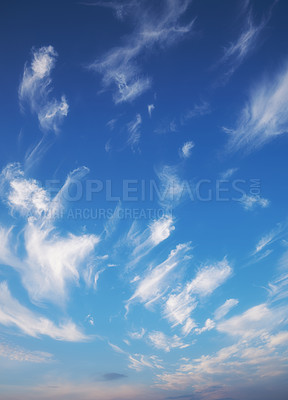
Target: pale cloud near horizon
point(20, 354)
point(259, 342)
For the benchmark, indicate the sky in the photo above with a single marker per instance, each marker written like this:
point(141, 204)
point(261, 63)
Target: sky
point(143, 200)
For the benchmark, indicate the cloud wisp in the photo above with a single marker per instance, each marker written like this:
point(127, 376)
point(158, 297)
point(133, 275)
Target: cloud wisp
point(264, 116)
point(180, 304)
point(185, 151)
point(239, 50)
point(35, 89)
point(119, 67)
point(155, 282)
point(13, 314)
point(51, 262)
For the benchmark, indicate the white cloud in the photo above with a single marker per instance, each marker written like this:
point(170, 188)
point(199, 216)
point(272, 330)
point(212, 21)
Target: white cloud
point(164, 342)
point(278, 289)
point(151, 108)
point(116, 348)
point(161, 229)
point(269, 238)
point(140, 361)
point(221, 372)
point(172, 188)
point(281, 338)
point(264, 116)
point(198, 110)
point(119, 66)
point(112, 223)
point(12, 313)
point(16, 353)
point(52, 114)
point(54, 260)
point(35, 89)
point(225, 308)
point(50, 261)
point(144, 242)
point(210, 278)
point(7, 256)
point(179, 306)
point(186, 149)
point(249, 202)
point(228, 173)
point(255, 321)
point(156, 280)
point(239, 50)
point(209, 324)
point(137, 334)
point(134, 132)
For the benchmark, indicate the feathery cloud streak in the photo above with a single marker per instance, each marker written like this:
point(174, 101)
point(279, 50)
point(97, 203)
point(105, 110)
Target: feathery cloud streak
point(264, 117)
point(35, 89)
point(119, 67)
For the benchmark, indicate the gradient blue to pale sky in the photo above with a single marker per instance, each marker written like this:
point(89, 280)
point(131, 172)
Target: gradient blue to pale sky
point(143, 184)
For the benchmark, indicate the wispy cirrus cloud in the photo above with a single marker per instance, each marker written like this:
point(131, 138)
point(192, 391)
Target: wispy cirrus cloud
point(264, 117)
point(198, 110)
point(134, 132)
point(143, 242)
point(172, 188)
point(20, 354)
point(225, 308)
point(139, 361)
point(119, 67)
point(228, 173)
point(151, 108)
point(208, 326)
point(249, 202)
point(180, 305)
point(269, 238)
point(50, 261)
point(254, 321)
point(259, 335)
point(225, 371)
point(241, 48)
point(14, 314)
point(163, 342)
point(185, 150)
point(35, 89)
point(155, 281)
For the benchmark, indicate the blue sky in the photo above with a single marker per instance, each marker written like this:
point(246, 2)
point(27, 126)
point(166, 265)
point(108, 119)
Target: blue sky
point(143, 221)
